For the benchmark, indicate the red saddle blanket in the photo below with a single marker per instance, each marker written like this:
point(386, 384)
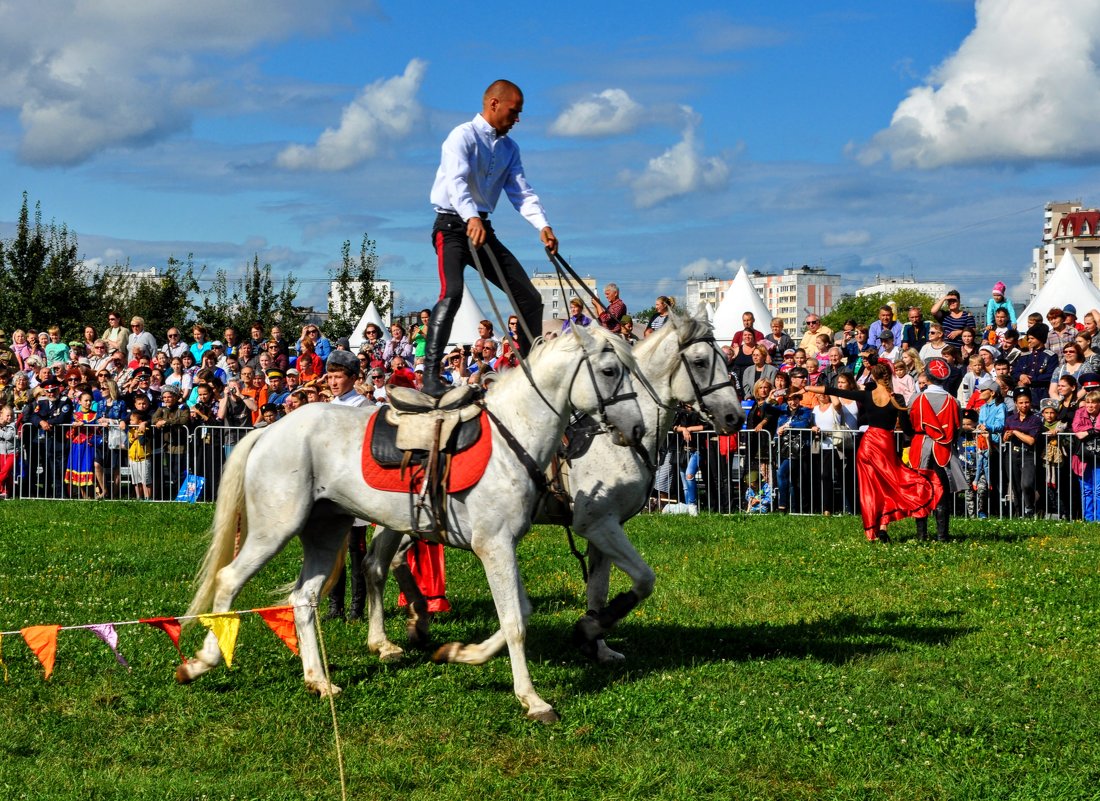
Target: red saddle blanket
point(467, 466)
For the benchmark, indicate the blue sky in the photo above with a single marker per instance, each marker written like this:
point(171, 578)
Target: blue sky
point(872, 138)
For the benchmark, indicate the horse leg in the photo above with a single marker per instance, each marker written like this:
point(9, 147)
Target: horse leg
point(321, 550)
point(258, 550)
point(513, 607)
point(607, 538)
point(382, 554)
point(418, 624)
point(599, 579)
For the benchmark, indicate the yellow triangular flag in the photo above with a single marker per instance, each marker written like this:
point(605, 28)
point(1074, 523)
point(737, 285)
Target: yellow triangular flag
point(225, 626)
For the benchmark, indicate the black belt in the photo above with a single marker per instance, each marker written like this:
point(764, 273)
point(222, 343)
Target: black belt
point(482, 214)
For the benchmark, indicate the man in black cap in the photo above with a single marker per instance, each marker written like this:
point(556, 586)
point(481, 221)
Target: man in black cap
point(342, 373)
point(935, 417)
point(1034, 369)
point(52, 412)
point(140, 386)
point(1022, 436)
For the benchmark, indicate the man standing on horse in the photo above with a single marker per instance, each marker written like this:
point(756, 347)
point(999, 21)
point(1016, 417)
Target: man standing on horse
point(478, 161)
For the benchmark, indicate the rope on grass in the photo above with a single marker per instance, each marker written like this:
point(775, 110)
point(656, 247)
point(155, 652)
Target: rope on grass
point(331, 700)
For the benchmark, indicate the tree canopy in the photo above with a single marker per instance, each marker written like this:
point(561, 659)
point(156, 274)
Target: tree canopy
point(44, 281)
point(864, 309)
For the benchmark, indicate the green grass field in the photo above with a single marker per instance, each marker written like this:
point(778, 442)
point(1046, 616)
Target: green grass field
point(779, 658)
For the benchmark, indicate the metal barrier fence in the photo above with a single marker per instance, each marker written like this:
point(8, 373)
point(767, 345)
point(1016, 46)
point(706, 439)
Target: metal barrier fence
point(801, 472)
point(814, 473)
point(104, 461)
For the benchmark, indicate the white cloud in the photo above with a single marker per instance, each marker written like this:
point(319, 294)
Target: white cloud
point(1023, 86)
point(845, 239)
point(383, 112)
point(608, 113)
point(680, 170)
point(86, 77)
point(717, 268)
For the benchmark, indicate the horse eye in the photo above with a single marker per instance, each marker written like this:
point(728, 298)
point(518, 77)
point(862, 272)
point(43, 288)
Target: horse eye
point(700, 363)
point(609, 371)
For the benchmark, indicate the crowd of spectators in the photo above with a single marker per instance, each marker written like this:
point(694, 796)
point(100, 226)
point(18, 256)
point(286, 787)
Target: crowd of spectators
point(81, 409)
point(1017, 389)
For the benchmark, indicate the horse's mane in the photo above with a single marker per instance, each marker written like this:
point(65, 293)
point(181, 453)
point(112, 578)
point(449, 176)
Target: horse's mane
point(570, 342)
point(682, 326)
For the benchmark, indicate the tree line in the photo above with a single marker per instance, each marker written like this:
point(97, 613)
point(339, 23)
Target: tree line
point(44, 281)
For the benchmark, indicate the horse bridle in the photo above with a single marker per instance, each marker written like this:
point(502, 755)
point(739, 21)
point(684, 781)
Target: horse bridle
point(702, 392)
point(616, 396)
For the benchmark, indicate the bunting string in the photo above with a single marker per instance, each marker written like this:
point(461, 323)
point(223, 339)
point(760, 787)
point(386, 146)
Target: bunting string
point(42, 640)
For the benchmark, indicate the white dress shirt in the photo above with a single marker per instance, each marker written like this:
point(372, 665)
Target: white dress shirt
point(476, 165)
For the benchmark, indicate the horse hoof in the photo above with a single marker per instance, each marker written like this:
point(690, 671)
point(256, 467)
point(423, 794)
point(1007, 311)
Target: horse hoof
point(392, 653)
point(606, 656)
point(547, 716)
point(323, 689)
point(446, 653)
point(183, 674)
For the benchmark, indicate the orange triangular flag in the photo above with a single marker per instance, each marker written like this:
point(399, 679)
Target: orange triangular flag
point(280, 619)
point(43, 641)
point(170, 626)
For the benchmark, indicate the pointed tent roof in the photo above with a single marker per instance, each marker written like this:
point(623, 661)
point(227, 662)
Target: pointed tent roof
point(741, 296)
point(1067, 284)
point(371, 315)
point(469, 315)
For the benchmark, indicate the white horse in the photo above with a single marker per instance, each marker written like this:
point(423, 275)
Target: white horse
point(608, 485)
point(301, 477)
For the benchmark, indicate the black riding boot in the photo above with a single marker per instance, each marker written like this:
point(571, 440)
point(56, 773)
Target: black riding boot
point(942, 519)
point(922, 528)
point(357, 550)
point(439, 331)
point(336, 597)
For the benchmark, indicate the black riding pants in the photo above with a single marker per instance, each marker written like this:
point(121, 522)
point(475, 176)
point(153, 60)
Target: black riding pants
point(452, 249)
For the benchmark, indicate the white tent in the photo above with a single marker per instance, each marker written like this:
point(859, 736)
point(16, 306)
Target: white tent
point(741, 297)
point(1067, 284)
point(371, 315)
point(469, 315)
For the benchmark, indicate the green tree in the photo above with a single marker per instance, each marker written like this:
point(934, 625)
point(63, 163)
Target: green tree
point(864, 309)
point(163, 300)
point(43, 281)
point(354, 289)
point(252, 297)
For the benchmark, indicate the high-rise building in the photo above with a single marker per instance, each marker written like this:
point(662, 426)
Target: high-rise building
point(1067, 225)
point(556, 293)
point(792, 295)
point(886, 285)
point(336, 301)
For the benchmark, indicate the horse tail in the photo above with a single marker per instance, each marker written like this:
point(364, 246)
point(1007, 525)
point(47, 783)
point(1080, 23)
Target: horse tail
point(230, 527)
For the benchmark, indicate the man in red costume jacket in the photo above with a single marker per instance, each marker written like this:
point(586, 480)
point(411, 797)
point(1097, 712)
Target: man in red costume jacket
point(935, 417)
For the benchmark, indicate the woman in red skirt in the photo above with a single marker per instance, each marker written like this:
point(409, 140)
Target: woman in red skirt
point(888, 489)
